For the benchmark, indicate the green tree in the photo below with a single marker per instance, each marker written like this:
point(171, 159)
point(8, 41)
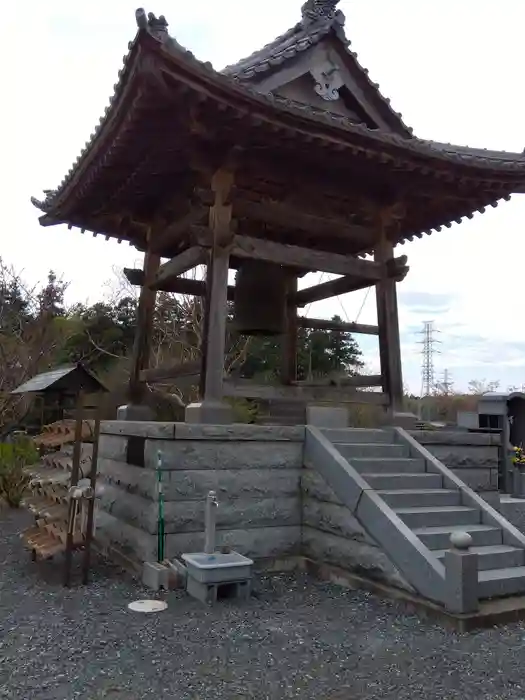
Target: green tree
point(319, 353)
point(51, 297)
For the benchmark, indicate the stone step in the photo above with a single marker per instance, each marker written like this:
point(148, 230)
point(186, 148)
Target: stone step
point(439, 537)
point(418, 498)
point(276, 420)
point(364, 449)
point(353, 435)
point(495, 583)
point(439, 516)
point(496, 556)
point(402, 480)
point(286, 411)
point(394, 465)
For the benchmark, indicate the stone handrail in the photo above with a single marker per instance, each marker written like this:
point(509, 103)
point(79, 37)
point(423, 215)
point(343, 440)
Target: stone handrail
point(414, 560)
point(511, 535)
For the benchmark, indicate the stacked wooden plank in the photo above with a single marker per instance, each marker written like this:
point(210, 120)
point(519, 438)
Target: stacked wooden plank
point(62, 433)
point(48, 493)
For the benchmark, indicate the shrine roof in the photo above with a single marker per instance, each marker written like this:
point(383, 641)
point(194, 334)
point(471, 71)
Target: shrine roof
point(154, 53)
point(319, 19)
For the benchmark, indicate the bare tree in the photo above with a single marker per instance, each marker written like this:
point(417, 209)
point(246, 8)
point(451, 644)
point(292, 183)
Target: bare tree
point(178, 330)
point(31, 338)
point(478, 387)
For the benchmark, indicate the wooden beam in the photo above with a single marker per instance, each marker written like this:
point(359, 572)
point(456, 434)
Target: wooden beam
point(289, 338)
point(286, 216)
point(188, 259)
point(245, 389)
point(144, 331)
point(179, 285)
point(162, 240)
point(396, 268)
point(359, 381)
point(296, 256)
point(326, 290)
point(388, 322)
point(175, 371)
point(219, 226)
point(321, 324)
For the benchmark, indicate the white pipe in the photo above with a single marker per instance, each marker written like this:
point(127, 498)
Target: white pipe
point(210, 516)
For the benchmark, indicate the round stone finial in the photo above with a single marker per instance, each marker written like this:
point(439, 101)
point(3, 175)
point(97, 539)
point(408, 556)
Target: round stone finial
point(461, 540)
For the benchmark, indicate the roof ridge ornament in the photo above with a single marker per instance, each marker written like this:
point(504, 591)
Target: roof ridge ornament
point(156, 26)
point(315, 10)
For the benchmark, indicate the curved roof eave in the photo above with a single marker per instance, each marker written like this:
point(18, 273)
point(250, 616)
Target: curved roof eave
point(339, 127)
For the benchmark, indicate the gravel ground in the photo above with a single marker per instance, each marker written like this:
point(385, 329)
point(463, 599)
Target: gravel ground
point(295, 638)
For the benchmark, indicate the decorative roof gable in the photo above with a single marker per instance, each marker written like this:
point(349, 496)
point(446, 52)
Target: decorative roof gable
point(312, 63)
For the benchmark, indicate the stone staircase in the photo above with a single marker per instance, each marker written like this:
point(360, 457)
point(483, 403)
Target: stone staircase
point(281, 412)
point(431, 502)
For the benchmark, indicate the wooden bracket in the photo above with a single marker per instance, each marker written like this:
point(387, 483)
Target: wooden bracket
point(220, 213)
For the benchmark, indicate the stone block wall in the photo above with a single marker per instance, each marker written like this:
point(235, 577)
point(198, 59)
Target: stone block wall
point(255, 471)
point(271, 508)
point(332, 535)
point(473, 457)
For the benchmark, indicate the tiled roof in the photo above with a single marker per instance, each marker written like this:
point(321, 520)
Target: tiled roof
point(512, 163)
point(298, 39)
point(47, 380)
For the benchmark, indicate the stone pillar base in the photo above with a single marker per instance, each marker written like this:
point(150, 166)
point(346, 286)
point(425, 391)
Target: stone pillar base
point(155, 576)
point(209, 412)
point(138, 413)
point(327, 416)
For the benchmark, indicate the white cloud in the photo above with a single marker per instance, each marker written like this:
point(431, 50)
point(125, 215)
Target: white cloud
point(454, 71)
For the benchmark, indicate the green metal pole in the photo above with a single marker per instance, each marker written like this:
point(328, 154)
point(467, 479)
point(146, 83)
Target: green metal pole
point(160, 519)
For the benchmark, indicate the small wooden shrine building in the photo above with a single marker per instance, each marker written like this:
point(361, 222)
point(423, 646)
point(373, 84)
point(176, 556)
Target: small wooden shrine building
point(287, 162)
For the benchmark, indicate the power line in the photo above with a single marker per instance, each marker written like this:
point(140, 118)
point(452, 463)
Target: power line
point(308, 307)
point(362, 305)
point(446, 383)
point(427, 366)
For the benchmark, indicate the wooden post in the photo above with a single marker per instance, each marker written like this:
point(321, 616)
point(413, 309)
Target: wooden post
point(388, 322)
point(289, 338)
point(212, 409)
point(205, 301)
point(91, 504)
point(73, 504)
point(144, 330)
point(216, 325)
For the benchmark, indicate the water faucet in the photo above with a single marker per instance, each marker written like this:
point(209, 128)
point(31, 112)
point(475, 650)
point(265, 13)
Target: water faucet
point(209, 522)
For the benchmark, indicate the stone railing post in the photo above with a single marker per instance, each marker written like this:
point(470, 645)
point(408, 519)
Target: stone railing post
point(518, 480)
point(461, 575)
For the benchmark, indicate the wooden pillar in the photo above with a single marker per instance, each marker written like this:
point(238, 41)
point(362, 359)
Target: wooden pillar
point(212, 409)
point(144, 329)
point(216, 325)
point(205, 301)
point(289, 338)
point(388, 322)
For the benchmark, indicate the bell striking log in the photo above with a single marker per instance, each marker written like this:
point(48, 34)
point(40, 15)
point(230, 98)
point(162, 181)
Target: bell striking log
point(260, 298)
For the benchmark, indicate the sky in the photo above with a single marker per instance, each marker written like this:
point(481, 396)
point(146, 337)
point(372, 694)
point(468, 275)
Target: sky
point(453, 68)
